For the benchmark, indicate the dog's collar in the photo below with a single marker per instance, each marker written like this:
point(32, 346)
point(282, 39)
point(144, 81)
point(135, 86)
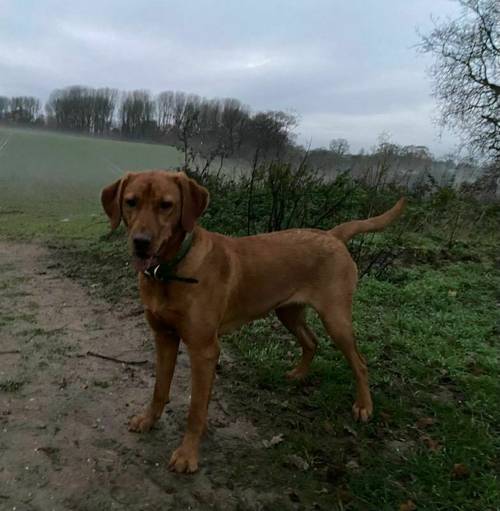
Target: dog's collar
point(165, 272)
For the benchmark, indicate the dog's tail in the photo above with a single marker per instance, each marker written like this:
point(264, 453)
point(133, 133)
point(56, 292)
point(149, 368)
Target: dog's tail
point(348, 230)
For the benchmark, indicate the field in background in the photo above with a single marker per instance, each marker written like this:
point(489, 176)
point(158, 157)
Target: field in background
point(48, 178)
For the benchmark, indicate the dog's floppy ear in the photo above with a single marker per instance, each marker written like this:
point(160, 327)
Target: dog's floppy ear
point(111, 198)
point(194, 200)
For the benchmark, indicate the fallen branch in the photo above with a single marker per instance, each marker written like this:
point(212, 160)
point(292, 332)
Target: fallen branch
point(10, 352)
point(113, 359)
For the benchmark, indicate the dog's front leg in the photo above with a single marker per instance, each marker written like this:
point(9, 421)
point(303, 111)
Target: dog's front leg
point(203, 362)
point(167, 347)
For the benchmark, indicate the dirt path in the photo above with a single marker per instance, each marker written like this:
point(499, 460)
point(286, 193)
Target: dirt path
point(64, 442)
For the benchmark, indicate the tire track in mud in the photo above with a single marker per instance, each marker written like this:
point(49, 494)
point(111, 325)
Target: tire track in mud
point(64, 442)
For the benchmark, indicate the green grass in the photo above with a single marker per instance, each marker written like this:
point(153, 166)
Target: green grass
point(50, 182)
point(11, 385)
point(431, 341)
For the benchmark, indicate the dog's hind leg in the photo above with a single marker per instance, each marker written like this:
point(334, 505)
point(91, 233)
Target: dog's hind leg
point(336, 314)
point(294, 319)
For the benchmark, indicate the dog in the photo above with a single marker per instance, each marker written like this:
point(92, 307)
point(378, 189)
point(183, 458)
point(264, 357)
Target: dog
point(197, 285)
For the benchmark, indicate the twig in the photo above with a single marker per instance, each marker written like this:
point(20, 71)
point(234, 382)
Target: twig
point(10, 352)
point(113, 359)
point(135, 312)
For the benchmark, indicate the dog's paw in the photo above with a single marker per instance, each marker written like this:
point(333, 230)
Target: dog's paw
point(183, 461)
point(141, 423)
point(362, 413)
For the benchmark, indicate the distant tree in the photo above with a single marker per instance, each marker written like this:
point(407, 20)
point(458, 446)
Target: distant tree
point(205, 130)
point(233, 117)
point(269, 134)
point(417, 151)
point(4, 106)
point(466, 73)
point(339, 146)
point(165, 109)
point(138, 115)
point(186, 124)
point(179, 104)
point(83, 109)
point(210, 115)
point(24, 109)
point(104, 106)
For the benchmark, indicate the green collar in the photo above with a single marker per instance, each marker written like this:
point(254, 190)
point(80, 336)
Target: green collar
point(165, 272)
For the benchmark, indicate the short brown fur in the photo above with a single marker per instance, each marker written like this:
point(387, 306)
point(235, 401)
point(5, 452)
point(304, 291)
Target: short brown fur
point(240, 279)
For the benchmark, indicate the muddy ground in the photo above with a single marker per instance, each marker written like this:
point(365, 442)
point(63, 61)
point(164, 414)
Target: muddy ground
point(64, 442)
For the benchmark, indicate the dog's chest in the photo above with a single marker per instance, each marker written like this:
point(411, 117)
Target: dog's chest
point(158, 299)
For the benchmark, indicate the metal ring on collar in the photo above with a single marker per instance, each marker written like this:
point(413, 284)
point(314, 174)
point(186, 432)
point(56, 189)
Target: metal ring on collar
point(154, 272)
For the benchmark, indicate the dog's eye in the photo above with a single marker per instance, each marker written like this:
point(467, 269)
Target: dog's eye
point(131, 203)
point(165, 204)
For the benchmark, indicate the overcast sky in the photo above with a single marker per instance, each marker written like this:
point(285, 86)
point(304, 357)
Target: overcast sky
point(349, 68)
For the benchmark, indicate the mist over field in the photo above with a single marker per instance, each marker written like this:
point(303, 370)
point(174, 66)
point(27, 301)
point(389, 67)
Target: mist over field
point(46, 172)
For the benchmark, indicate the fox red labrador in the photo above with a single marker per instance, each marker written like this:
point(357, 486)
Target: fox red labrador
point(197, 285)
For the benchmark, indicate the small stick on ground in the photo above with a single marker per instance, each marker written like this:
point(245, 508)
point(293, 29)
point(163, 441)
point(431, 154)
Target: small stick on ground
point(10, 352)
point(113, 359)
point(136, 312)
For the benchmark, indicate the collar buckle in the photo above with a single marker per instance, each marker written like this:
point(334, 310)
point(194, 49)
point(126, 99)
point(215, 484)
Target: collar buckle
point(164, 272)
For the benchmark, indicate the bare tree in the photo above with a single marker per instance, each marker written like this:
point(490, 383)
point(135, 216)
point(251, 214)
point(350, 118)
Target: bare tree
point(269, 135)
point(83, 109)
point(165, 107)
point(104, 106)
point(466, 73)
point(138, 115)
point(24, 109)
point(339, 146)
point(187, 127)
point(4, 106)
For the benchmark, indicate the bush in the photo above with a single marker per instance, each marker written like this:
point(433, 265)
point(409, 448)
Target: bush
point(438, 224)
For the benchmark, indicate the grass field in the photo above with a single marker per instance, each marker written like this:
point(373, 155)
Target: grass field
point(430, 333)
point(48, 179)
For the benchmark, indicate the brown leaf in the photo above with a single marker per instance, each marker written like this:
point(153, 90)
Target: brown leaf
point(343, 495)
point(297, 462)
point(475, 368)
point(409, 505)
point(460, 471)
point(328, 427)
point(425, 422)
point(432, 444)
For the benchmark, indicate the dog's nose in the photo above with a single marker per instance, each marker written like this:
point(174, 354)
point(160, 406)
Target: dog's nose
point(142, 241)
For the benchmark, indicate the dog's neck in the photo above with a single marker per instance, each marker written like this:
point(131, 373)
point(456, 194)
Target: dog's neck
point(166, 270)
point(173, 246)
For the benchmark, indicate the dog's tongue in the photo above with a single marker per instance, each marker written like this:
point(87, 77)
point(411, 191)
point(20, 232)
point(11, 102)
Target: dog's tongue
point(142, 265)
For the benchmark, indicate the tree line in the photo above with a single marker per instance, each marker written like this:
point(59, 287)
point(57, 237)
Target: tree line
point(465, 78)
point(205, 129)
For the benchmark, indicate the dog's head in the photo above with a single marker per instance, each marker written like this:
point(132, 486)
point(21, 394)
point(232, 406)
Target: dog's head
point(156, 207)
